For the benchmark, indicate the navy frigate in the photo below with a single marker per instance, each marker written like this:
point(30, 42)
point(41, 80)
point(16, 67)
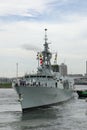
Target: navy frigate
point(45, 87)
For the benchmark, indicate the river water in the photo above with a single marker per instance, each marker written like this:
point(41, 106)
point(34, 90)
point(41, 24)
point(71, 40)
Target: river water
point(71, 115)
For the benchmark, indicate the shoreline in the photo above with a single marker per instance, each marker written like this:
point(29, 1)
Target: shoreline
point(5, 85)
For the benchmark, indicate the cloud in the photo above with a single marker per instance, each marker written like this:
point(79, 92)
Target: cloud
point(41, 10)
point(31, 47)
point(20, 6)
point(16, 10)
point(23, 21)
point(69, 6)
point(10, 56)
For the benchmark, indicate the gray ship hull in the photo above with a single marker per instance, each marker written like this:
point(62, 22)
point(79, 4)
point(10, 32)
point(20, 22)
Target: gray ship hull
point(32, 97)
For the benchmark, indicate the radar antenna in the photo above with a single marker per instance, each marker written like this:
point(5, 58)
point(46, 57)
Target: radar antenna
point(46, 35)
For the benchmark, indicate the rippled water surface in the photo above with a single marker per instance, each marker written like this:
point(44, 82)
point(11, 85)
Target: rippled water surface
point(71, 115)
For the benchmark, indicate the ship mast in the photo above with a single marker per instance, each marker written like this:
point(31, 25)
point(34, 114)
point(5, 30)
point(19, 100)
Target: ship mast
point(46, 35)
point(46, 53)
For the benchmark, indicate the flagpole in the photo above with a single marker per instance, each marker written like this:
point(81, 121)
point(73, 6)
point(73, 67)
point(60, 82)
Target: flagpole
point(16, 70)
point(38, 58)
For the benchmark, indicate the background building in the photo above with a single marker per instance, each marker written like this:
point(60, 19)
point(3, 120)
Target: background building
point(63, 69)
point(5, 80)
point(86, 69)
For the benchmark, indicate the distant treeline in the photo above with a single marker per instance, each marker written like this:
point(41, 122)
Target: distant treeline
point(5, 85)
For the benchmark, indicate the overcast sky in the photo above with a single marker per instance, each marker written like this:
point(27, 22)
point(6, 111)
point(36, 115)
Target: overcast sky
point(22, 23)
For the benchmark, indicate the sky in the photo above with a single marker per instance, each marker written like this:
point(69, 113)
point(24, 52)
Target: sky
point(22, 24)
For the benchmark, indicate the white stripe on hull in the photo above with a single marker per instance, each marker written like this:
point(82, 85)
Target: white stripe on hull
point(41, 96)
